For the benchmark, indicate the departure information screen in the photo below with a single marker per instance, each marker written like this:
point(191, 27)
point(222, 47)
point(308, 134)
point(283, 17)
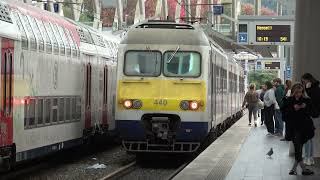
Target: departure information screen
point(273, 33)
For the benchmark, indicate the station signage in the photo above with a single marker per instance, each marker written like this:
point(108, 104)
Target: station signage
point(273, 33)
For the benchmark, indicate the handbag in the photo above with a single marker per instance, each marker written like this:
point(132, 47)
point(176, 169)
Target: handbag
point(260, 104)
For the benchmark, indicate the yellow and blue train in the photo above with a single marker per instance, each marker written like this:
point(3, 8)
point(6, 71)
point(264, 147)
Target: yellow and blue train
point(175, 85)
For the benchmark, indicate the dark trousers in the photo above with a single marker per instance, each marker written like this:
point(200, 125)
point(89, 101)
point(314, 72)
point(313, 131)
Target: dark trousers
point(262, 115)
point(298, 145)
point(269, 113)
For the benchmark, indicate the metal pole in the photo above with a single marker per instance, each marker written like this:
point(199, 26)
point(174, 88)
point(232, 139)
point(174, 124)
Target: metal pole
point(257, 6)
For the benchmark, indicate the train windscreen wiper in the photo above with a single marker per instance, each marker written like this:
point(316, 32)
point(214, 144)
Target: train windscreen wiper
point(173, 54)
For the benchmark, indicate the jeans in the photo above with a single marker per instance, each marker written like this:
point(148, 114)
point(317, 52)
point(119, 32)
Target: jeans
point(278, 121)
point(269, 113)
point(308, 149)
point(253, 109)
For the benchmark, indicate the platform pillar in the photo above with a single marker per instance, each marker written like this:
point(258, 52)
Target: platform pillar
point(306, 56)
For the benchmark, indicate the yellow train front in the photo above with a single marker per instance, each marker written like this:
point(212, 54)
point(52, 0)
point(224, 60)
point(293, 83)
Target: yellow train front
point(162, 88)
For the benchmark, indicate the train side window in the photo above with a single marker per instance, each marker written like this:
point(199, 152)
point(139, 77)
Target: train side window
point(60, 41)
point(46, 37)
point(54, 109)
point(39, 112)
point(73, 111)
point(31, 112)
point(65, 40)
point(33, 42)
point(22, 31)
point(78, 108)
point(47, 110)
point(61, 109)
point(68, 108)
point(37, 33)
point(53, 38)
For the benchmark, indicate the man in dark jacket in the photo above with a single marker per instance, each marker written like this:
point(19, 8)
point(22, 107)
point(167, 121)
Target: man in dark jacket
point(280, 94)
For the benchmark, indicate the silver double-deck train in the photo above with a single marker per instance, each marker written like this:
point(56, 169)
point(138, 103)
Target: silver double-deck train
point(175, 86)
point(57, 82)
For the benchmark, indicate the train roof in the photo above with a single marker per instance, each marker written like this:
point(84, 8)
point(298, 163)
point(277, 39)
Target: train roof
point(165, 33)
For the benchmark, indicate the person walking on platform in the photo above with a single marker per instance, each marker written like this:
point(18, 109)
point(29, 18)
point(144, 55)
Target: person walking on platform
point(251, 98)
point(311, 86)
point(288, 86)
point(263, 91)
point(298, 109)
point(270, 104)
point(280, 94)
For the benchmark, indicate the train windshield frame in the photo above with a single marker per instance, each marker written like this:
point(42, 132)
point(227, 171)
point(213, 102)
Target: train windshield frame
point(142, 63)
point(182, 64)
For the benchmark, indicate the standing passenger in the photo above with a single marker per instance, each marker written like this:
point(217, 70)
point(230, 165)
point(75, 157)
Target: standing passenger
point(251, 98)
point(288, 86)
point(280, 94)
point(313, 91)
point(270, 104)
point(263, 91)
point(299, 108)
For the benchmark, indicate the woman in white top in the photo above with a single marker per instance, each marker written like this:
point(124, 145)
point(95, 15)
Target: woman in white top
point(270, 104)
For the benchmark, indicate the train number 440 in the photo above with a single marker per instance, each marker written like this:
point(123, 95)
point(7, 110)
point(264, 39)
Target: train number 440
point(161, 102)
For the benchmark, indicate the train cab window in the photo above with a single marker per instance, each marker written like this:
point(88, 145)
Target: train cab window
point(142, 63)
point(182, 64)
point(33, 42)
point(22, 31)
point(58, 36)
point(53, 38)
point(37, 33)
point(65, 40)
point(45, 37)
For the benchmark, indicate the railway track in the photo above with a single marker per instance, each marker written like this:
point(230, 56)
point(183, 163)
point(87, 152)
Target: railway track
point(121, 171)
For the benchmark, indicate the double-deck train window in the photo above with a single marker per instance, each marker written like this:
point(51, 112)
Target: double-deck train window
point(33, 42)
point(182, 64)
point(37, 33)
point(58, 37)
point(54, 110)
point(61, 110)
point(47, 110)
point(142, 63)
point(65, 40)
point(78, 108)
point(52, 37)
point(39, 112)
point(46, 37)
point(68, 109)
point(72, 43)
point(22, 31)
point(30, 112)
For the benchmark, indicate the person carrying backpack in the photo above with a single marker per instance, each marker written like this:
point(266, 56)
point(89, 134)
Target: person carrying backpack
point(251, 98)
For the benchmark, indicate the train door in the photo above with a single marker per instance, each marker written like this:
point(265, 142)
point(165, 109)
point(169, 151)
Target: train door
point(88, 95)
point(6, 115)
point(105, 97)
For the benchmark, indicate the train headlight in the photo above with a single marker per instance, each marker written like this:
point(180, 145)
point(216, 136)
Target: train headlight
point(137, 104)
point(184, 105)
point(194, 105)
point(127, 104)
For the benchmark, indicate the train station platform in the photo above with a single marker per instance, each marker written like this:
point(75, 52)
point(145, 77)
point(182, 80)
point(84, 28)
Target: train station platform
point(240, 154)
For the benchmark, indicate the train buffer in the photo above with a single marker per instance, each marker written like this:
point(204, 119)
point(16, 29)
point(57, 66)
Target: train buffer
point(240, 154)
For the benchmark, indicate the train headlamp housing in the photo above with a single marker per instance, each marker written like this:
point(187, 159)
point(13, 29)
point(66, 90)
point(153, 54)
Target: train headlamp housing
point(127, 103)
point(194, 105)
point(132, 104)
point(189, 105)
point(137, 104)
point(184, 105)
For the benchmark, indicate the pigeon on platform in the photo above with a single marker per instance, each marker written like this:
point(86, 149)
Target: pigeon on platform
point(270, 153)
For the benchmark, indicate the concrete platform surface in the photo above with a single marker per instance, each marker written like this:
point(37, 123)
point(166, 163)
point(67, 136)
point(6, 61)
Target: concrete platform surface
point(240, 154)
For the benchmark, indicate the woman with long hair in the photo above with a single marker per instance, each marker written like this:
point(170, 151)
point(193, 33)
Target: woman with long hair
point(288, 86)
point(299, 109)
point(251, 99)
point(311, 86)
